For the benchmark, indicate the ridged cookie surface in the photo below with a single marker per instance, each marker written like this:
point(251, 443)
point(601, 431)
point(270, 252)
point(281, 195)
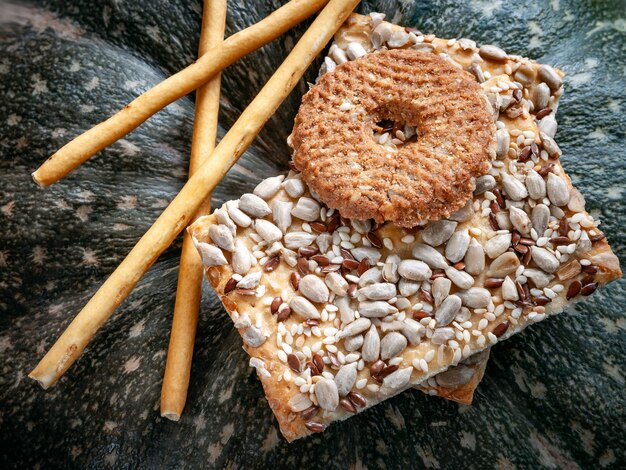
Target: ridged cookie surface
point(423, 180)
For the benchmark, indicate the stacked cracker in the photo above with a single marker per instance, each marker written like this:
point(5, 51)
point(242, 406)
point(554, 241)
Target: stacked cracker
point(338, 315)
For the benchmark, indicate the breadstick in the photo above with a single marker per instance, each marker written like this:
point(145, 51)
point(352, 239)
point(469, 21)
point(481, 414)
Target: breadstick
point(182, 208)
point(83, 147)
point(189, 288)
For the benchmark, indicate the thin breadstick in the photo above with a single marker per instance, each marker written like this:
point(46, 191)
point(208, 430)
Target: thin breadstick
point(83, 147)
point(182, 208)
point(190, 272)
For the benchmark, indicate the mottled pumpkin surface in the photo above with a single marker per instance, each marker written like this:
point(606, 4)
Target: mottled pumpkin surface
point(552, 396)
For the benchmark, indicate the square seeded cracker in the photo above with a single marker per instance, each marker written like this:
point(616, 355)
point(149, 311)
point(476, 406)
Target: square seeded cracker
point(377, 309)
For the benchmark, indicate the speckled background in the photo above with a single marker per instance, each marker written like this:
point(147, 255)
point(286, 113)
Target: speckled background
point(552, 396)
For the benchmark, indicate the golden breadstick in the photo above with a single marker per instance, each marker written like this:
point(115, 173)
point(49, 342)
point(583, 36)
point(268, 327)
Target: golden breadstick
point(83, 147)
point(190, 273)
point(182, 208)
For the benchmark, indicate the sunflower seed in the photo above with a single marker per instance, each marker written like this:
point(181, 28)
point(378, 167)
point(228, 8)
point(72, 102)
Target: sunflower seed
point(484, 183)
point(504, 264)
point(336, 283)
point(371, 276)
point(550, 145)
point(268, 231)
point(395, 325)
point(295, 240)
point(548, 126)
point(381, 35)
point(379, 291)
point(509, 291)
point(390, 269)
point(576, 201)
point(224, 219)
point(474, 258)
point(289, 256)
point(477, 71)
point(357, 327)
point(558, 192)
point(457, 245)
point(211, 255)
point(306, 209)
point(536, 185)
point(520, 220)
point(365, 252)
point(525, 74)
point(440, 289)
point(541, 96)
point(544, 259)
point(464, 214)
point(550, 77)
point(392, 345)
point(398, 39)
point(455, 376)
point(324, 241)
point(294, 187)
point(222, 237)
point(414, 270)
point(371, 345)
point(346, 311)
point(438, 232)
point(504, 223)
point(442, 335)
point(268, 188)
point(460, 279)
point(540, 278)
point(237, 215)
point(514, 188)
point(398, 379)
point(354, 50)
point(254, 205)
point(448, 310)
point(476, 297)
point(584, 244)
point(327, 394)
point(361, 226)
point(281, 214)
point(299, 402)
point(429, 255)
point(313, 288)
point(345, 378)
point(376, 309)
point(250, 281)
point(502, 103)
point(497, 245)
point(408, 288)
point(304, 308)
point(489, 52)
point(540, 217)
point(353, 343)
point(241, 260)
point(253, 337)
point(503, 140)
point(402, 303)
point(413, 330)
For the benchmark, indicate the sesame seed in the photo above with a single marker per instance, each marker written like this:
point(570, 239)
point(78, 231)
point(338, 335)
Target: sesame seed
point(457, 356)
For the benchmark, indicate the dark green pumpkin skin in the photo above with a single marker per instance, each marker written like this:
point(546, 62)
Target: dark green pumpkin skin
point(552, 396)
